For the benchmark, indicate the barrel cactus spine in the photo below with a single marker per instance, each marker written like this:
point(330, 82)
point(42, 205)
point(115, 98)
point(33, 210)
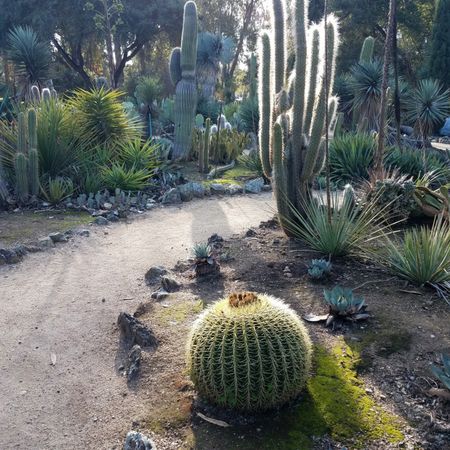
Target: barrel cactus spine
point(292, 141)
point(249, 352)
point(183, 64)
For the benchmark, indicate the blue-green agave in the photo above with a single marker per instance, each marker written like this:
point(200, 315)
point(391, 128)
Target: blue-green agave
point(443, 373)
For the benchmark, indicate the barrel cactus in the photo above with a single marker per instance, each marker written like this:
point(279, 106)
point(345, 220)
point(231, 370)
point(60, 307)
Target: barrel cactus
point(294, 104)
point(183, 65)
point(249, 352)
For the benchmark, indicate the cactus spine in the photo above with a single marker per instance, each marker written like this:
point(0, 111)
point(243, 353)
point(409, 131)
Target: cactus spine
point(183, 64)
point(205, 147)
point(292, 140)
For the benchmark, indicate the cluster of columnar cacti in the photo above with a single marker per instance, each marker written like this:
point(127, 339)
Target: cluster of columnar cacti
point(249, 352)
point(293, 103)
point(183, 65)
point(26, 160)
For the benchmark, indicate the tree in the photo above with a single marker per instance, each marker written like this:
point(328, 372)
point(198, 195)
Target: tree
point(440, 44)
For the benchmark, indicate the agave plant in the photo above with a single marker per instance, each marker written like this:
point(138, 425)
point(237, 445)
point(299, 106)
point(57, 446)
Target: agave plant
point(119, 177)
point(428, 106)
point(57, 189)
point(319, 268)
point(205, 260)
point(342, 305)
point(139, 155)
point(443, 373)
point(30, 56)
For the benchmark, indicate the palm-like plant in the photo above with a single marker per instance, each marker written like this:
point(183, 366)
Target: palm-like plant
point(30, 56)
point(365, 83)
point(99, 116)
point(147, 91)
point(428, 106)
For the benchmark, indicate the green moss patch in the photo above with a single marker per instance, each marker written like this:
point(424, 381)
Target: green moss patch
point(177, 312)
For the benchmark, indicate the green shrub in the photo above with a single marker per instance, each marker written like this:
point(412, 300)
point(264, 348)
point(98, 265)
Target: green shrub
point(119, 177)
point(351, 157)
point(350, 230)
point(99, 116)
point(422, 256)
point(55, 190)
point(249, 352)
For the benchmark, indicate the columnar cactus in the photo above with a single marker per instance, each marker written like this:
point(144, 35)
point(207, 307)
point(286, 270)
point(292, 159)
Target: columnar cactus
point(367, 50)
point(205, 147)
point(249, 352)
point(183, 65)
point(21, 133)
point(33, 170)
point(21, 172)
point(294, 105)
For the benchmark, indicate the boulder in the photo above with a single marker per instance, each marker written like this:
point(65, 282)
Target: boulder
point(134, 362)
point(137, 441)
point(154, 274)
point(172, 196)
point(170, 284)
point(218, 188)
point(57, 237)
point(135, 332)
point(254, 186)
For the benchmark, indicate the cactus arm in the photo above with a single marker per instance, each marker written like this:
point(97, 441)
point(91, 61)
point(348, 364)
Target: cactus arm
point(265, 101)
point(279, 44)
point(280, 176)
point(367, 49)
point(175, 65)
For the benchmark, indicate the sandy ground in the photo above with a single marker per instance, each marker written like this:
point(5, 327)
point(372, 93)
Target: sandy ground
point(65, 302)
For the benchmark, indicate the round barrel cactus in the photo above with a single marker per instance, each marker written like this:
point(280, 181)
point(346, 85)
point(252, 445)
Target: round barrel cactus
point(249, 352)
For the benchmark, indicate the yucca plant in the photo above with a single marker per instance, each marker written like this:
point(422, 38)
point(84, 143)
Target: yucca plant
point(119, 177)
point(428, 106)
point(351, 157)
point(30, 56)
point(443, 373)
point(99, 116)
point(422, 256)
point(365, 83)
point(139, 155)
point(252, 162)
point(55, 190)
point(205, 260)
point(350, 229)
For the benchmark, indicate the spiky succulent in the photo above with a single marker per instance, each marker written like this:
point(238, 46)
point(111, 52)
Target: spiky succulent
point(443, 373)
point(205, 259)
point(319, 268)
point(249, 352)
point(344, 305)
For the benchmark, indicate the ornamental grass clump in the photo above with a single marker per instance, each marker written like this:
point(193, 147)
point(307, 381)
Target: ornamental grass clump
point(249, 352)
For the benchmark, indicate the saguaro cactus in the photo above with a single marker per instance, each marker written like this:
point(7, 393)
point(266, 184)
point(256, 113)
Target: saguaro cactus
point(183, 65)
point(294, 105)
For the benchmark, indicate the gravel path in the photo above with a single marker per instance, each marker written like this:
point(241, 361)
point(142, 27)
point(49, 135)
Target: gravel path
point(64, 303)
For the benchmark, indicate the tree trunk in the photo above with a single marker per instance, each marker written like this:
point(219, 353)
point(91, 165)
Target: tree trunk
point(378, 159)
point(109, 45)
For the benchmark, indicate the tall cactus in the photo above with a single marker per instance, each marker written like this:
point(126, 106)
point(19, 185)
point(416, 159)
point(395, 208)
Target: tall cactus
point(21, 172)
point(205, 147)
point(367, 50)
point(183, 65)
point(33, 155)
point(294, 105)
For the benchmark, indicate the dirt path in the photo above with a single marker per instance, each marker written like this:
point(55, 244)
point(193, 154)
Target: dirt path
point(66, 302)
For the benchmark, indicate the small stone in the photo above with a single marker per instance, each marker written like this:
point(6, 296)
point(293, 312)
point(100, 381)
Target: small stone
point(234, 189)
point(137, 441)
point(112, 217)
point(84, 233)
point(134, 362)
point(218, 188)
point(154, 274)
point(46, 242)
point(101, 221)
point(135, 332)
point(171, 197)
point(170, 284)
point(266, 188)
point(254, 186)
point(160, 294)
point(57, 237)
point(107, 206)
point(250, 233)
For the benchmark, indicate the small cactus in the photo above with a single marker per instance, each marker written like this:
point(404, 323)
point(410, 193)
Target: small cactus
point(21, 172)
point(249, 352)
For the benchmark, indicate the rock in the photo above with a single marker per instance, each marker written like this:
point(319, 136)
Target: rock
point(254, 186)
point(135, 332)
point(57, 237)
point(9, 256)
point(250, 233)
point(170, 284)
point(150, 205)
point(33, 248)
point(101, 221)
point(112, 217)
point(107, 206)
point(191, 190)
point(20, 250)
point(134, 362)
point(137, 441)
point(216, 242)
point(267, 188)
point(171, 197)
point(234, 189)
point(46, 242)
point(217, 188)
point(84, 233)
point(154, 274)
point(160, 294)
